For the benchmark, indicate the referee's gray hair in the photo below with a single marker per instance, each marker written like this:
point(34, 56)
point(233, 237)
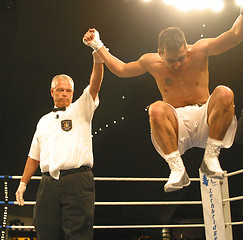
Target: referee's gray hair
point(63, 76)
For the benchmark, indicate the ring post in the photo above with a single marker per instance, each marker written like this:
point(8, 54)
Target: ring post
point(226, 207)
point(212, 208)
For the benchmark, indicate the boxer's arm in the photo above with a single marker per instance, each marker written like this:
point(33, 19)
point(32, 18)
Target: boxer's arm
point(228, 39)
point(121, 69)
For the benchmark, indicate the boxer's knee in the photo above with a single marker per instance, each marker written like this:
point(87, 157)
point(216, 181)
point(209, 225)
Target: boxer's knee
point(158, 112)
point(224, 96)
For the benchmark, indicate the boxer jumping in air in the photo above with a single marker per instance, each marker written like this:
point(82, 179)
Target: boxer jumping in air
point(188, 116)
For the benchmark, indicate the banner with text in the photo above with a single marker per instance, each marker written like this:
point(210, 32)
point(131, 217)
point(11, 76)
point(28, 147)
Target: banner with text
point(212, 208)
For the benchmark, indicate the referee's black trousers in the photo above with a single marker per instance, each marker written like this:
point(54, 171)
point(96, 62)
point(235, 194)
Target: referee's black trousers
point(65, 208)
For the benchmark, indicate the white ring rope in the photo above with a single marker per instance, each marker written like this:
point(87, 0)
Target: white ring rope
point(131, 179)
point(134, 203)
point(233, 199)
point(153, 226)
point(149, 203)
point(127, 226)
point(123, 179)
point(234, 173)
point(139, 226)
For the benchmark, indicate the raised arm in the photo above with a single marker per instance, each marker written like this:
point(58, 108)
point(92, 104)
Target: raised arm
point(228, 39)
point(29, 170)
point(96, 75)
point(116, 66)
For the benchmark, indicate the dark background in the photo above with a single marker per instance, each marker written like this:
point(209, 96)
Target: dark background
point(42, 38)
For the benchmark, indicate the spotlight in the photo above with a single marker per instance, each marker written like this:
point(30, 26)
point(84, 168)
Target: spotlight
point(185, 5)
point(201, 5)
point(217, 5)
point(239, 2)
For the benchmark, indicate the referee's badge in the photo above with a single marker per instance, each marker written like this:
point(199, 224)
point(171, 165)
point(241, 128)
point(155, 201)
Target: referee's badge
point(66, 125)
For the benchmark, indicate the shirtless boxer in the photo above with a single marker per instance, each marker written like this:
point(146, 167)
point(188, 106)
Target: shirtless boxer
point(188, 116)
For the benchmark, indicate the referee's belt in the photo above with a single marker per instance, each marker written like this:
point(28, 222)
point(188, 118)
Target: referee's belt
point(71, 171)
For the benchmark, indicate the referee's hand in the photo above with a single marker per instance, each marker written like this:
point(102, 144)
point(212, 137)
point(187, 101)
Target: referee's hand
point(20, 193)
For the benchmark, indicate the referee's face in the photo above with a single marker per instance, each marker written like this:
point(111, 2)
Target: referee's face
point(62, 94)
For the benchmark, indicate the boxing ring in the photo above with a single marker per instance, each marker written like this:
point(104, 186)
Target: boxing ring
point(211, 213)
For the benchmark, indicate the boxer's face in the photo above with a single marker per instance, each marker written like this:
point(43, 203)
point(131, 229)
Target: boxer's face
point(174, 59)
point(62, 94)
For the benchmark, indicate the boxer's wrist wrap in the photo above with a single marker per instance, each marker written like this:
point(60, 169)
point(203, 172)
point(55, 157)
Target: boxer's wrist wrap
point(96, 43)
point(97, 58)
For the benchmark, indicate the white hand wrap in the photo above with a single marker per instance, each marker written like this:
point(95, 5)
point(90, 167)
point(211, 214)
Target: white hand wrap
point(96, 56)
point(96, 43)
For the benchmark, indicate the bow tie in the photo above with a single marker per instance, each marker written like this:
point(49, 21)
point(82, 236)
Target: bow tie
point(59, 109)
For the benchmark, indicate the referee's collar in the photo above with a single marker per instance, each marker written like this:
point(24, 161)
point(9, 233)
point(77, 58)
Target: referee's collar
point(56, 109)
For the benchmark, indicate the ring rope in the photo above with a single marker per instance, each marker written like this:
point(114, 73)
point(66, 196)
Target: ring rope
point(130, 179)
point(234, 173)
point(138, 203)
point(148, 203)
point(139, 226)
point(233, 199)
point(125, 203)
point(126, 178)
point(124, 226)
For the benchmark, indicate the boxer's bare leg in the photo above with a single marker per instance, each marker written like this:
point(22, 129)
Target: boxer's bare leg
point(220, 114)
point(164, 128)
